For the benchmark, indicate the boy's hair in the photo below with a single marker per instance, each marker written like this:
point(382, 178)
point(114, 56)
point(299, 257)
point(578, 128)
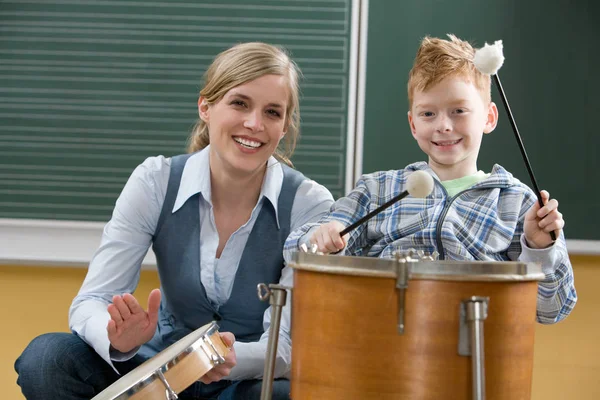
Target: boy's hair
point(438, 59)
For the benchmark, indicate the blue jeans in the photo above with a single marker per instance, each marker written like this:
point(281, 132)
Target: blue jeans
point(62, 366)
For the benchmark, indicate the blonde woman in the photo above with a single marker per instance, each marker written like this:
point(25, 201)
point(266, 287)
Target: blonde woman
point(217, 219)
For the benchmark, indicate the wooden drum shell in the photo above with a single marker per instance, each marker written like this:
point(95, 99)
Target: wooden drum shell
point(182, 375)
point(345, 343)
point(181, 364)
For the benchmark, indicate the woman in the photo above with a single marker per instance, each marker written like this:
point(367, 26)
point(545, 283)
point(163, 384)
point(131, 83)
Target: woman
point(217, 219)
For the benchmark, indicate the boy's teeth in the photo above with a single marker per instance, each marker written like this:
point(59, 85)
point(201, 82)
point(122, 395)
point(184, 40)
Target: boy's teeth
point(248, 143)
point(447, 143)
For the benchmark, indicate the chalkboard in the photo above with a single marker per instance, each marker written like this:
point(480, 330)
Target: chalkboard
point(551, 50)
point(89, 89)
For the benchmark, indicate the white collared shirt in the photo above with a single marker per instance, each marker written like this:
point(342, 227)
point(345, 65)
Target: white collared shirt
point(115, 266)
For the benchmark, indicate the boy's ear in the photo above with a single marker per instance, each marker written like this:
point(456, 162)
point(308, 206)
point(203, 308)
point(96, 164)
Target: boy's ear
point(411, 123)
point(492, 118)
point(203, 109)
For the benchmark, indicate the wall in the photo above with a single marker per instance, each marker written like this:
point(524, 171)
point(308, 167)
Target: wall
point(36, 300)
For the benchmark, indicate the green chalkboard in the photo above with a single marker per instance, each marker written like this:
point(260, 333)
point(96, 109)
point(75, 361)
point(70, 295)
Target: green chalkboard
point(89, 89)
point(551, 50)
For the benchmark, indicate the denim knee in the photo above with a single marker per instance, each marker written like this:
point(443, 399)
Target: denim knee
point(281, 389)
point(251, 390)
point(54, 364)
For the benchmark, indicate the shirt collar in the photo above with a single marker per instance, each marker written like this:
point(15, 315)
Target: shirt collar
point(196, 179)
point(498, 177)
point(271, 187)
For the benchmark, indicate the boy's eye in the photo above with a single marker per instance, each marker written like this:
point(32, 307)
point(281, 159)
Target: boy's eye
point(460, 110)
point(428, 114)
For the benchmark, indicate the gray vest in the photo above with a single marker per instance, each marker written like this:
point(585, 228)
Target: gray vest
point(176, 244)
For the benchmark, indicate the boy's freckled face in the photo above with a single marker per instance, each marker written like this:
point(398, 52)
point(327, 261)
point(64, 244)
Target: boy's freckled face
point(448, 121)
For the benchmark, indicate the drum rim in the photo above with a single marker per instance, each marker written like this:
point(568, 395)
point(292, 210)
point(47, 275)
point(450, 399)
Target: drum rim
point(420, 270)
point(151, 376)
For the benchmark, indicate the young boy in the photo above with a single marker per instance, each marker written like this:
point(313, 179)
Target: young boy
point(470, 215)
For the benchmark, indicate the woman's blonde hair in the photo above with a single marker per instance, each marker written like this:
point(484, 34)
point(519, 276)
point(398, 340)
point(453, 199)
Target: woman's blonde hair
point(438, 59)
point(243, 63)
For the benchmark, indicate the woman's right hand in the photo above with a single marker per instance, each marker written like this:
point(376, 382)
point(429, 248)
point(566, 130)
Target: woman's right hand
point(130, 325)
point(222, 370)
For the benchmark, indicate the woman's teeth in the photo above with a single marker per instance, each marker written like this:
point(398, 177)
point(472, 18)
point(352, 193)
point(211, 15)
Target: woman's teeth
point(251, 144)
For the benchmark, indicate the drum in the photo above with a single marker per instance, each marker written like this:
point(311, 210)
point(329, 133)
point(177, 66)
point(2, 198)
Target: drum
point(359, 332)
point(172, 370)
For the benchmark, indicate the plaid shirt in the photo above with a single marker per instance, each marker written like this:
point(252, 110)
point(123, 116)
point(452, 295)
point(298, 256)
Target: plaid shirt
point(483, 222)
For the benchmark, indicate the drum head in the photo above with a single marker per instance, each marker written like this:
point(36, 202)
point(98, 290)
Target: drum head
point(143, 375)
point(422, 269)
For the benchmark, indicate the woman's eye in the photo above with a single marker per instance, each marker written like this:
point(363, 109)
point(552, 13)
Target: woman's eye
point(238, 103)
point(460, 110)
point(274, 113)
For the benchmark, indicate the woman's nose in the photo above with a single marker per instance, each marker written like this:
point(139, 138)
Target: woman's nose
point(254, 121)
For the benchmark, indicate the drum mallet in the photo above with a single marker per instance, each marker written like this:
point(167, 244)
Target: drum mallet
point(418, 184)
point(488, 61)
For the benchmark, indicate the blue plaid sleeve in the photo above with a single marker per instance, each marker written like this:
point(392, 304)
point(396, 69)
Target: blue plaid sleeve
point(345, 210)
point(556, 292)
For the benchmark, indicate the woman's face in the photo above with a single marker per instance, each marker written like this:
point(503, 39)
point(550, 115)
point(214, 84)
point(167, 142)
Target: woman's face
point(246, 125)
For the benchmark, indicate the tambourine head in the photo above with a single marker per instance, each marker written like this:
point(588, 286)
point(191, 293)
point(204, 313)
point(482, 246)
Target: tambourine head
point(172, 370)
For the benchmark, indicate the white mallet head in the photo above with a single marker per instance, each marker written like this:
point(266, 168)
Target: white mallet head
point(419, 184)
point(489, 58)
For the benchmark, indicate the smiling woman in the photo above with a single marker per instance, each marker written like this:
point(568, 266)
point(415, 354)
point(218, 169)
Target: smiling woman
point(217, 219)
point(269, 60)
point(247, 124)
